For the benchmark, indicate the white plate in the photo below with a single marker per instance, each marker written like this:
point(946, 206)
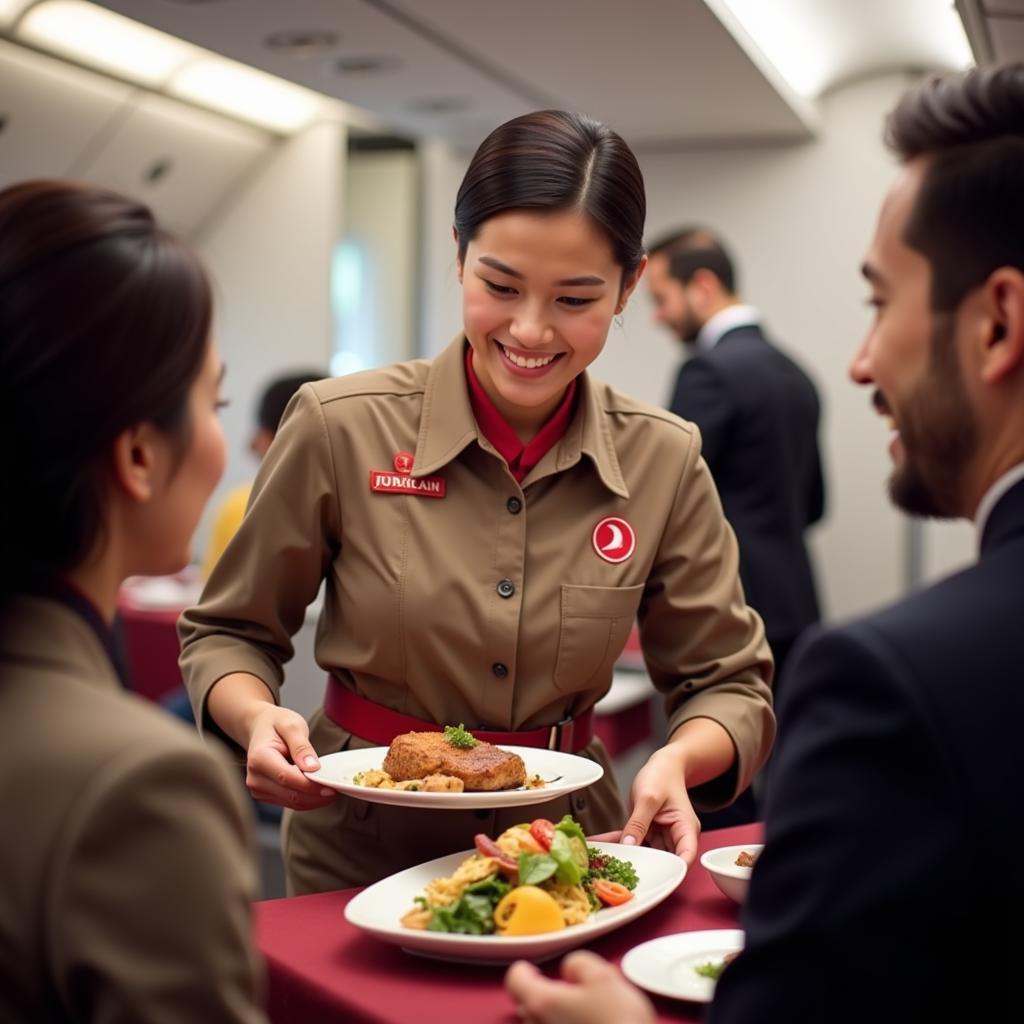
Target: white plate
point(569, 772)
point(379, 910)
point(666, 966)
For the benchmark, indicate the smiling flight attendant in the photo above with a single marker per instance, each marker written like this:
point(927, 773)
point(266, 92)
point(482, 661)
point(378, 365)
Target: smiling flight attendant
point(490, 523)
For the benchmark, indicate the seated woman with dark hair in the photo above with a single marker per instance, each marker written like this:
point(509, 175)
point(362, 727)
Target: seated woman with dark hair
point(126, 872)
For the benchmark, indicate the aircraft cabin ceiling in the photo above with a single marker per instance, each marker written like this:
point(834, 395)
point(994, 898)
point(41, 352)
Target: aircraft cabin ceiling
point(664, 73)
point(995, 29)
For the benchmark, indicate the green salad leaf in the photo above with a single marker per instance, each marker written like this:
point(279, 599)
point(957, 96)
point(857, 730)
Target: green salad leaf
point(570, 827)
point(569, 871)
point(535, 868)
point(473, 912)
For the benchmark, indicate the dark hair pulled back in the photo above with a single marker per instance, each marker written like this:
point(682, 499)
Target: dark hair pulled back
point(553, 160)
point(104, 324)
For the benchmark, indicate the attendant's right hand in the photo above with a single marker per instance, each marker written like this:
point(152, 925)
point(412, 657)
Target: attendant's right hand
point(278, 754)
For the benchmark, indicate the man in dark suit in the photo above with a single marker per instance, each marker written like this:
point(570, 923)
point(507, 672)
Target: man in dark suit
point(889, 889)
point(758, 416)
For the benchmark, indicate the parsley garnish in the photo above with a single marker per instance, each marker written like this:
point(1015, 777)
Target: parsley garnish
point(457, 736)
point(710, 969)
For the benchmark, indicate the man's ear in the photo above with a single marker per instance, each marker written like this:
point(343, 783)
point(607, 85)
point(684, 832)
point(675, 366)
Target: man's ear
point(630, 285)
point(1002, 335)
point(134, 462)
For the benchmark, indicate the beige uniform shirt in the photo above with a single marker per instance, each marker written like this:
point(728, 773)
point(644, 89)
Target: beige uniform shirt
point(126, 875)
point(429, 600)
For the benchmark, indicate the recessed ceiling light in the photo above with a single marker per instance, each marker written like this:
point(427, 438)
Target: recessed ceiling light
point(439, 104)
point(365, 65)
point(302, 42)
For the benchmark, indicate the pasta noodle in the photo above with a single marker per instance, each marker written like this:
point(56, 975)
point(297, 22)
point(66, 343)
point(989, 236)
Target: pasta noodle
point(443, 892)
point(571, 900)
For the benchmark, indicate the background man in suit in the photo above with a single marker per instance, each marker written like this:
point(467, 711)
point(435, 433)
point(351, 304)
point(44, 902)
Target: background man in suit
point(758, 416)
point(273, 401)
point(887, 889)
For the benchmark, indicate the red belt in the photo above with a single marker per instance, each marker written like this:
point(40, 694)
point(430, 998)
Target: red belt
point(381, 725)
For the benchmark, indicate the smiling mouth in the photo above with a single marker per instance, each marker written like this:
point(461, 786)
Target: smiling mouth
point(528, 362)
point(883, 410)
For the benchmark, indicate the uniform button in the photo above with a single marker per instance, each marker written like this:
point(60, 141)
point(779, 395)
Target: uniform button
point(499, 669)
point(506, 588)
point(514, 505)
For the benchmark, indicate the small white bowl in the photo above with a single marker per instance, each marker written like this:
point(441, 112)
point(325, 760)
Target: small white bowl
point(721, 864)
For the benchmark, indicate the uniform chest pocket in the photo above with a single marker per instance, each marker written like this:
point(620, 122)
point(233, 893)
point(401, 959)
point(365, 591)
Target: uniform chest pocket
point(594, 627)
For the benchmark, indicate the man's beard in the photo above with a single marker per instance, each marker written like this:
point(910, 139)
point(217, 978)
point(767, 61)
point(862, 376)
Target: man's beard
point(939, 435)
point(688, 328)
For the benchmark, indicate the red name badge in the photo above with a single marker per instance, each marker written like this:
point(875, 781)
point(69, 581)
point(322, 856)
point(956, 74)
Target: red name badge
point(388, 482)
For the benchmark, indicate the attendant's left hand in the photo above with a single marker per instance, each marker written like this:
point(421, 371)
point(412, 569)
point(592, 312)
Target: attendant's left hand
point(592, 992)
point(661, 811)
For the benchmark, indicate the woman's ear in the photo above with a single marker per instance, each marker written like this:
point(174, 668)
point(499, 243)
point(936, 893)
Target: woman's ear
point(135, 457)
point(632, 281)
point(1002, 340)
point(458, 258)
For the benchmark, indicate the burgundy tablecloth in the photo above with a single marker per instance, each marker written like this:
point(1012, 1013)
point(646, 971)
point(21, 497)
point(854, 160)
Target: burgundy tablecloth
point(320, 968)
point(151, 649)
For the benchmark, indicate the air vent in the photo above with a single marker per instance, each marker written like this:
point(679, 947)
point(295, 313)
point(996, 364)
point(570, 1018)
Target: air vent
point(440, 104)
point(366, 65)
point(157, 170)
point(302, 43)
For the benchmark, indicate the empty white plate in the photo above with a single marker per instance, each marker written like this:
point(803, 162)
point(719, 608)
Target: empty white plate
point(668, 966)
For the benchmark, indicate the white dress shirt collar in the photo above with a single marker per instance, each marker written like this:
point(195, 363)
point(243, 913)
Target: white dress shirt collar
point(992, 496)
point(724, 321)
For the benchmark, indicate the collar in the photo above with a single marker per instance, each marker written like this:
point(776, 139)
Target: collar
point(725, 320)
point(447, 424)
point(992, 498)
point(60, 629)
point(70, 596)
point(521, 458)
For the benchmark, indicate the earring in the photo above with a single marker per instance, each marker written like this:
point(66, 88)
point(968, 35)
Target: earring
point(618, 320)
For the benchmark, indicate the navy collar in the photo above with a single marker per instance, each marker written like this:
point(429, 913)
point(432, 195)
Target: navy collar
point(72, 598)
point(1006, 520)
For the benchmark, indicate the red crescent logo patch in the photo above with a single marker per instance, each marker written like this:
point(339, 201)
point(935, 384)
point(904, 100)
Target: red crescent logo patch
point(614, 539)
point(403, 462)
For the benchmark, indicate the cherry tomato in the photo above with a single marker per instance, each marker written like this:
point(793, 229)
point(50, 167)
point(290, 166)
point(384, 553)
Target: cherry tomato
point(542, 830)
point(487, 847)
point(612, 894)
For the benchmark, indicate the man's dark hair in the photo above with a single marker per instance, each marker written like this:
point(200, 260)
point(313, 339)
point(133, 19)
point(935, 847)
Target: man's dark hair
point(693, 249)
point(278, 393)
point(968, 219)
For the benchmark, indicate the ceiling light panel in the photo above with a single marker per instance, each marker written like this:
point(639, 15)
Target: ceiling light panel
point(815, 44)
point(10, 9)
point(244, 92)
point(104, 40)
